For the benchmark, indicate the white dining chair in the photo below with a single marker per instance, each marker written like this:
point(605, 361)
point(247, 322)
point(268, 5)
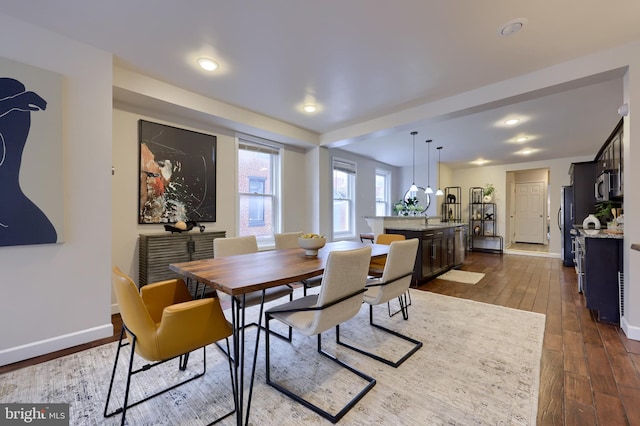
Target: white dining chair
point(394, 283)
point(224, 247)
point(289, 240)
point(286, 240)
point(340, 299)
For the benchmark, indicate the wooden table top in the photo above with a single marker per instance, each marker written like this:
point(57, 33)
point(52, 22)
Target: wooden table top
point(235, 275)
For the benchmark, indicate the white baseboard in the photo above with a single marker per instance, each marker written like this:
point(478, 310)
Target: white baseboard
point(115, 309)
point(632, 332)
point(30, 350)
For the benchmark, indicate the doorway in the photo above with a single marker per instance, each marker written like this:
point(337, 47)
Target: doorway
point(528, 224)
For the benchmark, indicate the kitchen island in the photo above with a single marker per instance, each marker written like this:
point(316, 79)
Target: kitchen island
point(442, 247)
point(600, 275)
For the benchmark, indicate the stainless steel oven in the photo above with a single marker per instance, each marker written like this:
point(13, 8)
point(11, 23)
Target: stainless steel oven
point(603, 186)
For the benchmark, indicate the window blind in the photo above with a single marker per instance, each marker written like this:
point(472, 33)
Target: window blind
point(344, 166)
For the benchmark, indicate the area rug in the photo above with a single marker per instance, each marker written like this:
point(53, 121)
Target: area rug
point(465, 277)
point(480, 364)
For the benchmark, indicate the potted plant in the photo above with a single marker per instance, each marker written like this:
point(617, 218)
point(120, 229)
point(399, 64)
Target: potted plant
point(408, 207)
point(603, 212)
point(488, 193)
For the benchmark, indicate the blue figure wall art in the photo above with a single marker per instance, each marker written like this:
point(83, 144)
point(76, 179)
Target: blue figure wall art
point(21, 220)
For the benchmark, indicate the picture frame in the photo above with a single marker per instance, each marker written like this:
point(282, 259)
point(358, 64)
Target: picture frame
point(177, 175)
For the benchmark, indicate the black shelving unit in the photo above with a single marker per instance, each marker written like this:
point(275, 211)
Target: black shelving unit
point(482, 222)
point(452, 205)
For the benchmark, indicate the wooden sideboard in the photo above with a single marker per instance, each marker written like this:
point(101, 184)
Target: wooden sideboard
point(157, 251)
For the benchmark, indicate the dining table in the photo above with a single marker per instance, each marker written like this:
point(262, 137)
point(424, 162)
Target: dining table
point(241, 274)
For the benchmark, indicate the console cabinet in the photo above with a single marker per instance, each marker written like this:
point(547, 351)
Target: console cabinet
point(157, 251)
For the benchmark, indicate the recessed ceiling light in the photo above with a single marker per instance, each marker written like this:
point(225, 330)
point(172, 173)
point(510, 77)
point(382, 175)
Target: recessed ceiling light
point(527, 151)
point(512, 27)
point(480, 162)
point(208, 64)
point(522, 139)
point(310, 108)
point(512, 121)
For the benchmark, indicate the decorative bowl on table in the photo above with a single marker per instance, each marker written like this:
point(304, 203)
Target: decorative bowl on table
point(311, 243)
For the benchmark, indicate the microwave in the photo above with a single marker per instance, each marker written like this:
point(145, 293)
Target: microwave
point(603, 187)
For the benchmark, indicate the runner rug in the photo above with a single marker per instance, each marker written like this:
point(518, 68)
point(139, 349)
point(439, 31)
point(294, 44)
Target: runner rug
point(465, 277)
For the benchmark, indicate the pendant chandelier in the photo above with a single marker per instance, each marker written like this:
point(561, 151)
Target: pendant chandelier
point(413, 187)
point(439, 191)
point(429, 190)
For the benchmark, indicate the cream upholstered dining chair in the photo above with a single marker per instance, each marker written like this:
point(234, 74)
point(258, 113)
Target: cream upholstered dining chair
point(376, 268)
point(223, 247)
point(289, 240)
point(162, 322)
point(395, 281)
point(286, 240)
point(340, 299)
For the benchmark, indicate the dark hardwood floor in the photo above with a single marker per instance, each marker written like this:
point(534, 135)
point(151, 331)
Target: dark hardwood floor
point(590, 372)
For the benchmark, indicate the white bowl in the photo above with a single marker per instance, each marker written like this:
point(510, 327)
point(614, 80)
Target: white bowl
point(311, 245)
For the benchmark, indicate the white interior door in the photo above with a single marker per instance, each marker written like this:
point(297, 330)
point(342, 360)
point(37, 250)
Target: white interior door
point(530, 212)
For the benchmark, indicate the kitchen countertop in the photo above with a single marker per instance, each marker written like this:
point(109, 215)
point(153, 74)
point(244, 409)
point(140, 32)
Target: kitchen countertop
point(598, 233)
point(426, 227)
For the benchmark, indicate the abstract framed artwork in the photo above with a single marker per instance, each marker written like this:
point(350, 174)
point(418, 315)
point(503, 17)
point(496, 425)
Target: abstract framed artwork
point(31, 155)
point(177, 175)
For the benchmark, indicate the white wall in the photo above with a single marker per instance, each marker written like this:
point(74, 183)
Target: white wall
point(57, 295)
point(480, 176)
point(365, 186)
point(125, 189)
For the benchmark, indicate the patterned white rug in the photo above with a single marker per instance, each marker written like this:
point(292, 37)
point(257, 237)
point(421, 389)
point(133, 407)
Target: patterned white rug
point(480, 364)
point(465, 277)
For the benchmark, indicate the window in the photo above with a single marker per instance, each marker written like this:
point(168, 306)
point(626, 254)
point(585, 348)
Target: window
point(383, 185)
point(256, 204)
point(258, 189)
point(344, 178)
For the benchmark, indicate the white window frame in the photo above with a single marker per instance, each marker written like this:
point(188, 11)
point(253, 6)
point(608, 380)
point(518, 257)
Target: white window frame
point(350, 168)
point(246, 142)
point(386, 174)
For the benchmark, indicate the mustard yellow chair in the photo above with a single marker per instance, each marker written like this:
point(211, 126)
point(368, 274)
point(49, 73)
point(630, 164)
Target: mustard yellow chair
point(162, 322)
point(376, 266)
point(394, 283)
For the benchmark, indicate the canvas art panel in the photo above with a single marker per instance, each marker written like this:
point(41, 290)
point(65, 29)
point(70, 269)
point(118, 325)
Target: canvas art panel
point(31, 155)
point(177, 175)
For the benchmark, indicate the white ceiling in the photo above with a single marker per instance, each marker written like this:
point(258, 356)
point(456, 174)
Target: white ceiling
point(364, 59)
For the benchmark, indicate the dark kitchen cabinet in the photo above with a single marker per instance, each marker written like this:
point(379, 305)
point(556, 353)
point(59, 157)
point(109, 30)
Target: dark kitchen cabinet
point(610, 160)
point(583, 177)
point(436, 251)
point(602, 265)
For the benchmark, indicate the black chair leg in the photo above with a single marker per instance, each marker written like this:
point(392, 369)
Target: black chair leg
point(327, 415)
point(416, 344)
point(131, 372)
point(405, 311)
